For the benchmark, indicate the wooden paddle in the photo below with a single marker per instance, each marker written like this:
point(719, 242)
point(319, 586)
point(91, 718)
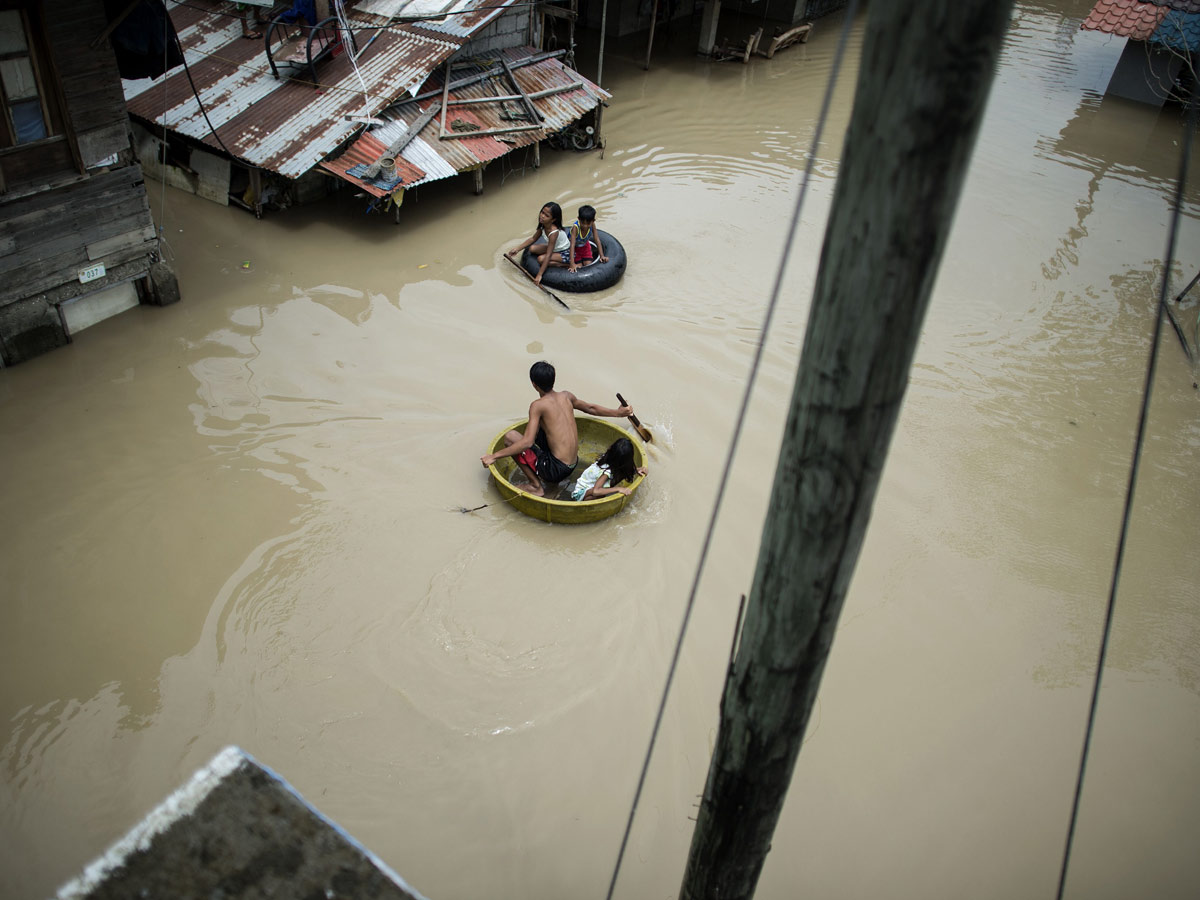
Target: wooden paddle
point(642, 430)
point(545, 289)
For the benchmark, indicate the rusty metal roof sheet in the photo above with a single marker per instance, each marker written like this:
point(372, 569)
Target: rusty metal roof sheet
point(286, 125)
point(460, 18)
point(437, 158)
point(365, 151)
point(1125, 18)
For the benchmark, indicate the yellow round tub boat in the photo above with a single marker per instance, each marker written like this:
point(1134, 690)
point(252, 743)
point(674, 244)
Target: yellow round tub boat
point(595, 436)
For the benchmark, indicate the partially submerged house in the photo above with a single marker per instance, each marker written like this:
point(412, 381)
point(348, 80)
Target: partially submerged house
point(278, 119)
point(77, 243)
point(1162, 46)
point(622, 18)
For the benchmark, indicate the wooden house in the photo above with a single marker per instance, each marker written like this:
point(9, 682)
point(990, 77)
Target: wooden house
point(77, 243)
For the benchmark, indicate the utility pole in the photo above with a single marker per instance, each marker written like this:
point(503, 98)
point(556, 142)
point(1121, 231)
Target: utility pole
point(923, 83)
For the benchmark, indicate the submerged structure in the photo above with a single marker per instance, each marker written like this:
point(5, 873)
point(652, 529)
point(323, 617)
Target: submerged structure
point(239, 831)
point(77, 243)
point(1158, 62)
point(271, 108)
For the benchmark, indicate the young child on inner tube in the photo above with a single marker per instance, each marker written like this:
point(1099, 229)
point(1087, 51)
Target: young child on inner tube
point(586, 246)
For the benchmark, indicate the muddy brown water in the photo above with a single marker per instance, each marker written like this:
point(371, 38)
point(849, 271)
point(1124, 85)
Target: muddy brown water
point(233, 520)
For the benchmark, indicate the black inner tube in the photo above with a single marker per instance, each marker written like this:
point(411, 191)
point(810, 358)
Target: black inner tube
point(596, 277)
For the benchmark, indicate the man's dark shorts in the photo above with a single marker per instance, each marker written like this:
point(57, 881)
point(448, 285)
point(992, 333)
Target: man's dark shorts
point(549, 468)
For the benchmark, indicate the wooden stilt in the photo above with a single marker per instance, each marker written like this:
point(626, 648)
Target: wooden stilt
point(650, 39)
point(537, 155)
point(256, 188)
point(708, 27)
point(478, 181)
point(571, 32)
point(600, 73)
point(901, 172)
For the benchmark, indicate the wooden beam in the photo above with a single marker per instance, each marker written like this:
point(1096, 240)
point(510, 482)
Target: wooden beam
point(398, 145)
point(534, 115)
point(786, 39)
point(111, 27)
point(752, 45)
point(445, 97)
point(537, 95)
point(483, 76)
point(917, 110)
point(458, 135)
point(650, 39)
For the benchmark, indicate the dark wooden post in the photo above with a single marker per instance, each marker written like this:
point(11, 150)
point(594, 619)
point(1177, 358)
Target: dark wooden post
point(600, 72)
point(927, 67)
point(650, 39)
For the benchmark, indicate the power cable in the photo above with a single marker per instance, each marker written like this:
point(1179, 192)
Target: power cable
point(723, 482)
point(188, 71)
point(1135, 465)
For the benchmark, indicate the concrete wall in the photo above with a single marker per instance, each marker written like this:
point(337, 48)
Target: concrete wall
point(237, 831)
point(631, 16)
point(203, 174)
point(511, 29)
point(1145, 73)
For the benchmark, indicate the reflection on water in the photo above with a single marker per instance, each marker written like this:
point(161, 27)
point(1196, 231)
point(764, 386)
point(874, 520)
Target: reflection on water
point(235, 519)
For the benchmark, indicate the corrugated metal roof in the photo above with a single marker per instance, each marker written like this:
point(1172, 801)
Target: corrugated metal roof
point(1125, 18)
point(288, 125)
point(442, 158)
point(459, 18)
point(365, 151)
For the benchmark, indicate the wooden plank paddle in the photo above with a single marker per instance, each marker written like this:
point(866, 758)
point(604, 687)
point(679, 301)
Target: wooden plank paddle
point(642, 430)
point(545, 289)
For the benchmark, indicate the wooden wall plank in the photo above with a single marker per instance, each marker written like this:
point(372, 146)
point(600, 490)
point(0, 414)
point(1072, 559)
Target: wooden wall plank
point(109, 247)
point(44, 238)
point(44, 274)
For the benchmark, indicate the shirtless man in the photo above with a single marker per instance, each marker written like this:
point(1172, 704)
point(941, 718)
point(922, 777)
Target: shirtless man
point(551, 435)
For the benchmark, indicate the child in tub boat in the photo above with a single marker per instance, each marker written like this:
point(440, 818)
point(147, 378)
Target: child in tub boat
point(604, 476)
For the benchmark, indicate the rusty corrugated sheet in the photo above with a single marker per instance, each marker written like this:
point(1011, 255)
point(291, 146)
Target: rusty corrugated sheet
point(460, 19)
point(443, 158)
point(284, 126)
point(365, 151)
point(1125, 18)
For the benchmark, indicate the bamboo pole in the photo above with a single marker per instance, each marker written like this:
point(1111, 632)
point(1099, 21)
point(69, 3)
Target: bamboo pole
point(928, 65)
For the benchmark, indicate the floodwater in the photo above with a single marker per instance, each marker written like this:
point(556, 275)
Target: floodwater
point(235, 520)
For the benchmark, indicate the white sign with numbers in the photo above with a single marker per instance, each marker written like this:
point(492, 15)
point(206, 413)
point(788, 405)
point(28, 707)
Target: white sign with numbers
point(91, 273)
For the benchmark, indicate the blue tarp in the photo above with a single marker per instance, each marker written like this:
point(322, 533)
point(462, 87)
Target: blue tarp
point(384, 184)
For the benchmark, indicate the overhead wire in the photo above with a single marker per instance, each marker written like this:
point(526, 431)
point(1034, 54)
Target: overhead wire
point(727, 468)
point(162, 204)
point(344, 25)
point(188, 71)
point(1161, 309)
